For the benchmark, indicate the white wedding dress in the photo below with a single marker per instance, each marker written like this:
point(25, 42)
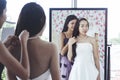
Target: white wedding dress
point(45, 76)
point(84, 66)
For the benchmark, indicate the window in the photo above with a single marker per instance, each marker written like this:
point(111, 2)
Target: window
point(14, 8)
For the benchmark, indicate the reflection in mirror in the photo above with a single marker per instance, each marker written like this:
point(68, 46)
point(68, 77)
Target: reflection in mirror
point(88, 42)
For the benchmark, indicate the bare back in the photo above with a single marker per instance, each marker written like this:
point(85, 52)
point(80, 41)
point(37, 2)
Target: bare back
point(40, 56)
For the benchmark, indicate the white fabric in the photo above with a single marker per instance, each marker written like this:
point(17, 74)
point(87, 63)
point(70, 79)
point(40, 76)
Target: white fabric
point(44, 76)
point(84, 65)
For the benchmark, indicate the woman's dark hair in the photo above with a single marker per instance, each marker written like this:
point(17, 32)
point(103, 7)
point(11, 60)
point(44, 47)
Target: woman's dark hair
point(68, 19)
point(2, 6)
point(32, 18)
point(76, 33)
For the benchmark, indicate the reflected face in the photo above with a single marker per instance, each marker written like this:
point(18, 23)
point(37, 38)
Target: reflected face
point(83, 27)
point(71, 24)
point(3, 18)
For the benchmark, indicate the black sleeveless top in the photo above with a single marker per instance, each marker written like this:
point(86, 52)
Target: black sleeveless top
point(65, 41)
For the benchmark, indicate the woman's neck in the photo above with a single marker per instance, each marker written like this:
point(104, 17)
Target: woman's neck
point(69, 33)
point(82, 36)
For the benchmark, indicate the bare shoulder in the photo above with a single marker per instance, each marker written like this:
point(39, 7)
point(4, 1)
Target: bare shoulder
point(50, 46)
point(92, 39)
point(62, 34)
point(53, 49)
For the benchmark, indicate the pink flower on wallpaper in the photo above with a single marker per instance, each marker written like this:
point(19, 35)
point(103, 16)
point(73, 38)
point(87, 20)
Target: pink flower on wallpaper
point(54, 20)
point(101, 18)
point(53, 15)
point(96, 18)
point(56, 30)
point(99, 14)
point(98, 51)
point(78, 14)
point(62, 15)
point(104, 30)
point(103, 50)
point(104, 25)
point(97, 23)
point(102, 56)
point(102, 45)
point(61, 22)
point(56, 26)
point(57, 17)
point(94, 11)
point(61, 29)
point(100, 35)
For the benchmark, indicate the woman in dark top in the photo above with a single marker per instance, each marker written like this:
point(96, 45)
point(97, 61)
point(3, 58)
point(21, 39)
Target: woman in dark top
point(65, 64)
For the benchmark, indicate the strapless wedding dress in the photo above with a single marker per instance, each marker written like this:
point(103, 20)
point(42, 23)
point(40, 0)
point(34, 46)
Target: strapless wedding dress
point(84, 66)
point(44, 76)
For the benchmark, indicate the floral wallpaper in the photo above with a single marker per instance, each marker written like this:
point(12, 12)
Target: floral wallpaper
point(97, 25)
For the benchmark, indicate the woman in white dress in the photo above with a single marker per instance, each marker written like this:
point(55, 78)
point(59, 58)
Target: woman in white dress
point(84, 52)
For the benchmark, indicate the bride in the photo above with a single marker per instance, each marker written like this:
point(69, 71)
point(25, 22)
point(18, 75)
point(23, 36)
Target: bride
point(85, 56)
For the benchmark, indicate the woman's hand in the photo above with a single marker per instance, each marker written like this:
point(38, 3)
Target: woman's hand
point(11, 40)
point(12, 43)
point(8, 41)
point(22, 69)
point(24, 35)
point(72, 41)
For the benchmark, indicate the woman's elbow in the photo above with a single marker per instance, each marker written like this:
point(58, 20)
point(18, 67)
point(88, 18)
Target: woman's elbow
point(26, 76)
point(62, 53)
point(69, 58)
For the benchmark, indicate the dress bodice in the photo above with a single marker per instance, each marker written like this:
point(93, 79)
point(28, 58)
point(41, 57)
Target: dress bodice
point(44, 76)
point(84, 51)
point(84, 66)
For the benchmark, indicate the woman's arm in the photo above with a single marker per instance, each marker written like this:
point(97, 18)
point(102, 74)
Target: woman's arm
point(63, 48)
point(12, 64)
point(13, 45)
point(10, 75)
point(70, 52)
point(25, 59)
point(54, 63)
point(96, 56)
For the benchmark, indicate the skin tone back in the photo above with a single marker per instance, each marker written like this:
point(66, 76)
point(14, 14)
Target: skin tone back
point(43, 56)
